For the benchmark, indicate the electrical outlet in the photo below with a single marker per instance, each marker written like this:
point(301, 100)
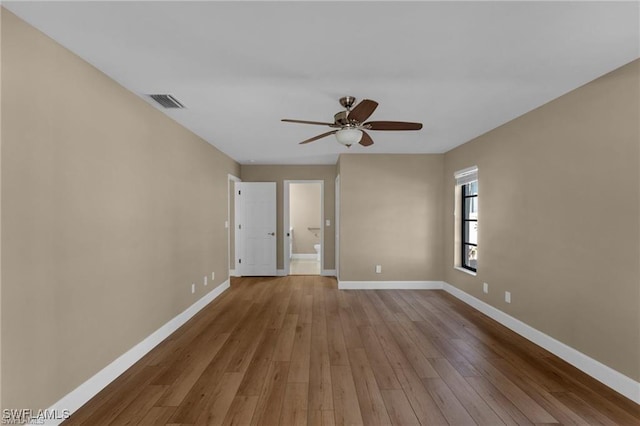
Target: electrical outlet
point(378, 269)
point(485, 288)
point(213, 276)
point(327, 222)
point(226, 224)
point(507, 296)
point(205, 280)
point(193, 288)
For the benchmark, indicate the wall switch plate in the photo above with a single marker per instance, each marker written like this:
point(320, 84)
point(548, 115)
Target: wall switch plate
point(213, 276)
point(507, 296)
point(485, 288)
point(327, 222)
point(205, 280)
point(193, 288)
point(378, 269)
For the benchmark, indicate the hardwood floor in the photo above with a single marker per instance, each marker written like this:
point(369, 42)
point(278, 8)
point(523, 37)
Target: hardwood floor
point(296, 350)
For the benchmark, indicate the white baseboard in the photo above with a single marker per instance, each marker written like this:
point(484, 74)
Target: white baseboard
point(390, 285)
point(83, 393)
point(308, 256)
point(280, 273)
point(328, 273)
point(232, 273)
point(604, 374)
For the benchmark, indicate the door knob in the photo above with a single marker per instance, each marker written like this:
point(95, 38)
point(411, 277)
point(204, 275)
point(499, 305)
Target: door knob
point(271, 233)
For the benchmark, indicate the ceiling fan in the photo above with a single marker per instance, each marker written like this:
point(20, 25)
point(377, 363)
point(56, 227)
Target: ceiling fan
point(351, 124)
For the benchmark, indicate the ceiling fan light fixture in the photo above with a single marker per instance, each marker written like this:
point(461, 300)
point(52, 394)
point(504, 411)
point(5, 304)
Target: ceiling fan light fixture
point(349, 136)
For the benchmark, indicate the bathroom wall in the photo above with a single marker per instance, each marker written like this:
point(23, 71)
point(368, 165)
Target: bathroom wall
point(304, 213)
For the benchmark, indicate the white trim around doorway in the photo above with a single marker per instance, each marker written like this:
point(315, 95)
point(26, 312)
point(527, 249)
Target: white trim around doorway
point(286, 222)
point(231, 271)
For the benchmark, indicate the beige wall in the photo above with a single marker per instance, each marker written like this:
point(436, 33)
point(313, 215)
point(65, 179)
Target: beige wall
point(280, 173)
point(559, 218)
point(110, 210)
point(304, 213)
point(391, 215)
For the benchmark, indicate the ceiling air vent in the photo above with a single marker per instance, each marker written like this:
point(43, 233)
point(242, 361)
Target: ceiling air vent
point(167, 101)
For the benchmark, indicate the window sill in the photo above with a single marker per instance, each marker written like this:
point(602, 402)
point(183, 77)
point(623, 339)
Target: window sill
point(466, 271)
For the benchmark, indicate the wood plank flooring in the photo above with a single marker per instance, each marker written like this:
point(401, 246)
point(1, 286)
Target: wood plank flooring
point(296, 350)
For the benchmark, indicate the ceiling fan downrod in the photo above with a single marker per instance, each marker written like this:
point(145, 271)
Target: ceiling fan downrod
point(347, 102)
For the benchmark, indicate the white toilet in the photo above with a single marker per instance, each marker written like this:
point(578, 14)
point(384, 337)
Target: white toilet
point(317, 249)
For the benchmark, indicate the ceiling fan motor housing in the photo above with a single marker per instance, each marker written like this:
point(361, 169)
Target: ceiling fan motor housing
point(341, 118)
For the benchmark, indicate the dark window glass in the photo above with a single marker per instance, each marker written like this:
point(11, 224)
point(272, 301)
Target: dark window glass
point(469, 226)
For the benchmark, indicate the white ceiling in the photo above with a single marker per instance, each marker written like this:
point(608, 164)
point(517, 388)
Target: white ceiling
point(461, 68)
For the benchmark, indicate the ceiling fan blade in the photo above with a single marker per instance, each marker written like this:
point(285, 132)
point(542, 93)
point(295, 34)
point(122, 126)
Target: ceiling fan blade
point(287, 120)
point(315, 138)
point(392, 125)
point(363, 110)
point(366, 139)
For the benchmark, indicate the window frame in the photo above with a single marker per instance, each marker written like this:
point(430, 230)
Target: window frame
point(463, 228)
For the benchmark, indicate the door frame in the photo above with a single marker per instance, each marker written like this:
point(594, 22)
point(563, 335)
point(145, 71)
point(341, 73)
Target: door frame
point(286, 222)
point(232, 272)
point(336, 222)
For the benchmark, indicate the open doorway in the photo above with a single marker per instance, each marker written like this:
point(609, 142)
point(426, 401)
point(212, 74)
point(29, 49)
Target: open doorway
point(303, 222)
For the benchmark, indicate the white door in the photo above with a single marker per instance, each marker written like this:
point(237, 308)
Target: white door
point(256, 226)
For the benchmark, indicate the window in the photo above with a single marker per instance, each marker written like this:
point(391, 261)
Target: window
point(469, 226)
point(466, 212)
